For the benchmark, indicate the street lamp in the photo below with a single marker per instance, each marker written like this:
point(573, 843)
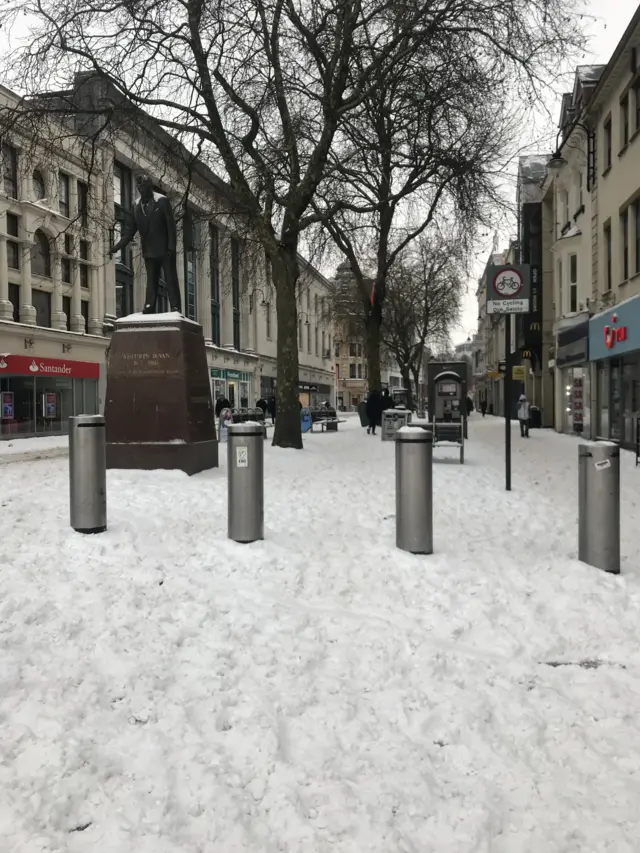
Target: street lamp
point(558, 162)
point(300, 313)
point(251, 303)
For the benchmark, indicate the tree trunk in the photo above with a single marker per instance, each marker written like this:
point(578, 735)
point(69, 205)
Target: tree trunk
point(287, 431)
point(406, 381)
point(374, 334)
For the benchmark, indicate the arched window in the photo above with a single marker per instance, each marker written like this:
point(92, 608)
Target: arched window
point(39, 187)
point(41, 255)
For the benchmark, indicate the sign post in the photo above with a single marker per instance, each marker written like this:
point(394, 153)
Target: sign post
point(508, 292)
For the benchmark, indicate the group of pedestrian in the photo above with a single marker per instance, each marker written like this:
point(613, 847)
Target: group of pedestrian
point(376, 404)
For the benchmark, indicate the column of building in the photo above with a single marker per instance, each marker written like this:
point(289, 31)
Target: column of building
point(204, 284)
point(6, 308)
point(226, 296)
point(27, 311)
point(58, 317)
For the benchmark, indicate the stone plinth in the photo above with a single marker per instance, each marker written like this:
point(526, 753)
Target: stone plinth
point(158, 406)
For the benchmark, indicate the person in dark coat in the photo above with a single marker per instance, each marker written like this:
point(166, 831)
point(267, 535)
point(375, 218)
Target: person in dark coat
point(387, 400)
point(483, 407)
point(374, 411)
point(262, 404)
point(271, 408)
point(469, 406)
point(222, 403)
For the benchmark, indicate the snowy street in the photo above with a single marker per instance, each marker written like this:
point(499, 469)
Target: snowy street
point(163, 690)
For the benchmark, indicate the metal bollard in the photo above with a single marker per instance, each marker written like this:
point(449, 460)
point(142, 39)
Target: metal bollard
point(88, 473)
point(245, 465)
point(599, 505)
point(414, 490)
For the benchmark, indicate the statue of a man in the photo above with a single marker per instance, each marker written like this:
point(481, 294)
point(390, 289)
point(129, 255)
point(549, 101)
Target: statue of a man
point(153, 220)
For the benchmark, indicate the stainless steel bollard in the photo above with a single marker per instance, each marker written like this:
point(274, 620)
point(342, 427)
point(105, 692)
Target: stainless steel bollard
point(88, 473)
point(245, 473)
point(414, 490)
point(599, 505)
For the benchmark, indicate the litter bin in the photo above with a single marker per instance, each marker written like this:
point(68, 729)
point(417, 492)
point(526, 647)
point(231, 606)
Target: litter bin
point(245, 472)
point(392, 421)
point(88, 473)
point(414, 490)
point(535, 417)
point(599, 505)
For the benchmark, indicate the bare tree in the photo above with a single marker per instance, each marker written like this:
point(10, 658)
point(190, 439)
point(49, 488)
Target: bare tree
point(428, 138)
point(258, 88)
point(423, 298)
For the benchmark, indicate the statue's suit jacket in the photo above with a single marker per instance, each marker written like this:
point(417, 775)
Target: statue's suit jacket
point(156, 226)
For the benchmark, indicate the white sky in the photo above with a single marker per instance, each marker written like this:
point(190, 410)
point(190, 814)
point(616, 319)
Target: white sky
point(611, 20)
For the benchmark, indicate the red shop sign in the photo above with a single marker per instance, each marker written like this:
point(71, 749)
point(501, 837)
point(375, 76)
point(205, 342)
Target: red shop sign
point(613, 333)
point(26, 365)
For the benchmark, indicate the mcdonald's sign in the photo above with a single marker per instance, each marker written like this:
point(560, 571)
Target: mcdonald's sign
point(526, 353)
point(535, 326)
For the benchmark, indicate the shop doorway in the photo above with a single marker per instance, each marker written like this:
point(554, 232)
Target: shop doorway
point(231, 389)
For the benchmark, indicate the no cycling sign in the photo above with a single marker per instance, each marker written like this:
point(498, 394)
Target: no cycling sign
point(508, 289)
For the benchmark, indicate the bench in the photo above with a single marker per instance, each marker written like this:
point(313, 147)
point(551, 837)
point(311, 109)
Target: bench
point(447, 434)
point(324, 418)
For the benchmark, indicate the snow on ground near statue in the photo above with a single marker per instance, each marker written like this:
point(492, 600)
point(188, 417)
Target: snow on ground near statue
point(51, 445)
point(166, 691)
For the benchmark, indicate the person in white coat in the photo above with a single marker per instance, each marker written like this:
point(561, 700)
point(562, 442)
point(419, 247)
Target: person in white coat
point(523, 415)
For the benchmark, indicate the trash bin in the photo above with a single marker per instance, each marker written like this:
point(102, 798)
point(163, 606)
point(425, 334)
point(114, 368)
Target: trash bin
point(392, 421)
point(535, 417)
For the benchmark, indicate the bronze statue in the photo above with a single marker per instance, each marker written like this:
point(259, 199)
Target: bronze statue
point(153, 220)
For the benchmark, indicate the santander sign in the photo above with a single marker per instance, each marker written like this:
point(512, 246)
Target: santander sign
point(613, 334)
point(21, 365)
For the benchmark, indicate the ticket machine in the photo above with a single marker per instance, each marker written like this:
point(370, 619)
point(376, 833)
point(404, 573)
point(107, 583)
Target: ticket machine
point(449, 401)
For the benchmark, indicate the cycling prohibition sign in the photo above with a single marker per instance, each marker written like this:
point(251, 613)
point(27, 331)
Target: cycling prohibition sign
point(508, 283)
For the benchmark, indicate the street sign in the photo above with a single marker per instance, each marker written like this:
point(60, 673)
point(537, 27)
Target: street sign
point(508, 289)
point(517, 372)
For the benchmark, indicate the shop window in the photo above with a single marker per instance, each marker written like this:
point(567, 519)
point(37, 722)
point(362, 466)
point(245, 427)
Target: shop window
point(607, 257)
point(14, 299)
point(10, 170)
point(214, 272)
point(63, 194)
point(624, 121)
point(352, 371)
point(83, 204)
point(624, 227)
point(235, 290)
point(41, 255)
point(23, 390)
point(607, 145)
point(66, 307)
point(122, 204)
point(66, 262)
point(84, 310)
point(39, 186)
point(13, 248)
point(42, 303)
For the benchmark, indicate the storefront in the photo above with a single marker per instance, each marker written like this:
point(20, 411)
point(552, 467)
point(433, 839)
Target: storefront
point(234, 385)
point(614, 347)
point(38, 395)
point(311, 394)
point(572, 377)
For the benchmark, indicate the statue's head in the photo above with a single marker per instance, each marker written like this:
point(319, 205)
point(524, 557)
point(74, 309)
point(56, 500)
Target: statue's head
point(145, 185)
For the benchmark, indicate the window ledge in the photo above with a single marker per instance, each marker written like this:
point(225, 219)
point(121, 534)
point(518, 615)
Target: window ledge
point(566, 227)
point(633, 277)
point(606, 171)
point(635, 133)
point(578, 212)
point(624, 281)
point(623, 149)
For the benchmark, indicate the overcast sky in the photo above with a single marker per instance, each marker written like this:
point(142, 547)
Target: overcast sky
point(611, 20)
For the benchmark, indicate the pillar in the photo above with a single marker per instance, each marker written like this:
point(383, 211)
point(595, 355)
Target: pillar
point(58, 317)
point(27, 311)
point(226, 297)
point(77, 320)
point(203, 282)
point(6, 308)
point(95, 314)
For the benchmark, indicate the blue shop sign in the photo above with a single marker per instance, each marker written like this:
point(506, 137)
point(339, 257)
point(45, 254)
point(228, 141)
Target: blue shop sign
point(615, 331)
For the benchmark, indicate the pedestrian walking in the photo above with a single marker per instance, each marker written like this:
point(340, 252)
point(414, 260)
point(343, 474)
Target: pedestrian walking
point(222, 403)
point(483, 407)
point(374, 411)
point(469, 406)
point(271, 407)
point(262, 404)
point(523, 415)
point(386, 400)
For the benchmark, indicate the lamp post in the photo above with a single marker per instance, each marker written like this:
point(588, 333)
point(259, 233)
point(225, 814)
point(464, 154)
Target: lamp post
point(558, 162)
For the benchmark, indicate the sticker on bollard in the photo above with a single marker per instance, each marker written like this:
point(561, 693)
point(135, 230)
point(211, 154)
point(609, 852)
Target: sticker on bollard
point(242, 457)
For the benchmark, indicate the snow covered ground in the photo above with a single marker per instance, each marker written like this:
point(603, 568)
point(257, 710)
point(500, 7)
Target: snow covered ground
point(22, 449)
point(163, 690)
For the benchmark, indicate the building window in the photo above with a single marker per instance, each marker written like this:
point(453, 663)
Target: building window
point(84, 310)
point(324, 341)
point(65, 264)
point(309, 337)
point(308, 301)
point(66, 307)
point(315, 304)
point(214, 273)
point(352, 349)
point(636, 104)
point(10, 170)
point(83, 204)
point(560, 289)
point(42, 304)
point(235, 290)
point(607, 257)
point(14, 299)
point(352, 371)
point(607, 145)
point(190, 241)
point(267, 318)
point(624, 121)
point(636, 216)
point(359, 370)
point(122, 204)
point(41, 255)
point(300, 334)
point(573, 283)
point(624, 225)
point(13, 248)
point(337, 349)
point(63, 194)
point(316, 339)
point(39, 186)
point(124, 296)
point(84, 269)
